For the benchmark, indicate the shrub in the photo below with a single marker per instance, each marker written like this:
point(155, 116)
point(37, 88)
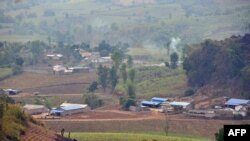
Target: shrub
point(93, 86)
point(126, 103)
point(93, 100)
point(238, 117)
point(189, 92)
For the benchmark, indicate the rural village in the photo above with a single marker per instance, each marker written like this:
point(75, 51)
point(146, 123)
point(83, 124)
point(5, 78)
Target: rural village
point(156, 107)
point(124, 70)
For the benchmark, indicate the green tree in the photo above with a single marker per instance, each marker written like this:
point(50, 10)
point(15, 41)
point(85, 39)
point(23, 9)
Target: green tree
point(117, 57)
point(124, 73)
point(189, 92)
point(113, 78)
point(103, 76)
point(220, 135)
point(131, 75)
point(174, 60)
point(1, 120)
point(93, 86)
point(92, 100)
point(130, 61)
point(19, 61)
point(131, 90)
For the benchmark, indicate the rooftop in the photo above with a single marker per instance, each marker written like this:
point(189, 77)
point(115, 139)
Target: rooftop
point(235, 102)
point(71, 107)
point(150, 103)
point(73, 104)
point(159, 99)
point(176, 103)
point(30, 106)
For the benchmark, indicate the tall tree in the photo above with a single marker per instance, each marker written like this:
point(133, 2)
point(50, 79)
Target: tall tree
point(131, 90)
point(103, 76)
point(132, 75)
point(113, 77)
point(130, 61)
point(174, 60)
point(117, 57)
point(124, 73)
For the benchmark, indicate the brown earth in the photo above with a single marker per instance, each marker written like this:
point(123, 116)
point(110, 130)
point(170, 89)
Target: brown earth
point(38, 133)
point(49, 83)
point(109, 118)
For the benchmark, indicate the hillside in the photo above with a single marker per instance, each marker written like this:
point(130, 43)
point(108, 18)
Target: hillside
point(220, 67)
point(15, 125)
point(137, 22)
point(38, 133)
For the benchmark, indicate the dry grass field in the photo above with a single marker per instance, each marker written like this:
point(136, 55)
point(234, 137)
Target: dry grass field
point(192, 127)
point(49, 83)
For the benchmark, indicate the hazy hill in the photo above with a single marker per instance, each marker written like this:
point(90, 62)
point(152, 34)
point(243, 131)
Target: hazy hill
point(222, 65)
point(136, 22)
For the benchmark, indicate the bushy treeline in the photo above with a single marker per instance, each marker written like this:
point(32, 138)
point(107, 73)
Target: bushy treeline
point(224, 64)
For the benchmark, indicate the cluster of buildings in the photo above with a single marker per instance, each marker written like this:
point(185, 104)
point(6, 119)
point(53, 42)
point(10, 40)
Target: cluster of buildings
point(60, 69)
point(11, 91)
point(62, 110)
point(232, 108)
point(165, 104)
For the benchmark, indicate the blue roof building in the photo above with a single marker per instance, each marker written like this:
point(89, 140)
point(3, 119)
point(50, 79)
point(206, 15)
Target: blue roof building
point(150, 104)
point(159, 99)
point(184, 105)
point(236, 102)
point(69, 109)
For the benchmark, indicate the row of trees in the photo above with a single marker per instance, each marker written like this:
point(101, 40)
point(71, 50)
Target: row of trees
point(110, 77)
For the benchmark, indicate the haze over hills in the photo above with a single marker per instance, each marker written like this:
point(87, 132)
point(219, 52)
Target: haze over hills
point(129, 70)
point(136, 22)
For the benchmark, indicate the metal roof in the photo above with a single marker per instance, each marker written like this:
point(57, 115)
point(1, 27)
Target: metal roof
point(176, 103)
point(159, 99)
point(150, 103)
point(235, 102)
point(56, 111)
point(71, 107)
point(72, 104)
point(30, 106)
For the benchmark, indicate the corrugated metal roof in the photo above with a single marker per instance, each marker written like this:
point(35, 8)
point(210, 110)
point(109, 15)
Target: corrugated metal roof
point(150, 103)
point(72, 104)
point(71, 107)
point(31, 106)
point(159, 99)
point(176, 103)
point(56, 111)
point(235, 102)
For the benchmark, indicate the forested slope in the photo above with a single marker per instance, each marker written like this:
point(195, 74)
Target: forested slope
point(222, 65)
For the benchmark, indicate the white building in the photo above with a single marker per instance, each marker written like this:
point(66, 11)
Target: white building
point(69, 109)
point(35, 109)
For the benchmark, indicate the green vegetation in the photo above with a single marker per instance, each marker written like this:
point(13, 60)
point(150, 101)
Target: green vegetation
point(221, 64)
point(200, 19)
point(12, 119)
point(160, 81)
point(93, 86)
point(92, 100)
point(5, 72)
point(220, 135)
point(189, 92)
point(102, 72)
point(174, 58)
point(129, 137)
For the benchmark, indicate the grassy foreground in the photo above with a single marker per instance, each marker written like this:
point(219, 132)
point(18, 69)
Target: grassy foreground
point(128, 137)
point(5, 72)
